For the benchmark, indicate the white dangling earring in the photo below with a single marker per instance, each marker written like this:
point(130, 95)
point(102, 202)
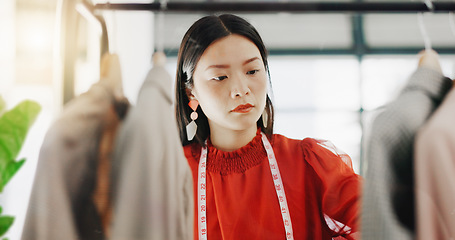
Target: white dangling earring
point(191, 128)
point(265, 117)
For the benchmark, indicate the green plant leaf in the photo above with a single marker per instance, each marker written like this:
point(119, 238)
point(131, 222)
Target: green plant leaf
point(9, 170)
point(5, 224)
point(2, 105)
point(14, 125)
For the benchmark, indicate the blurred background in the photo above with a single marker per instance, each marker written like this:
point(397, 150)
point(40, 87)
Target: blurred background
point(330, 71)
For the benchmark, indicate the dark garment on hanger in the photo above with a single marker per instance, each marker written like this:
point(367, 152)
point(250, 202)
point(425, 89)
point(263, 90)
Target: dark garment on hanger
point(388, 197)
point(151, 179)
point(62, 199)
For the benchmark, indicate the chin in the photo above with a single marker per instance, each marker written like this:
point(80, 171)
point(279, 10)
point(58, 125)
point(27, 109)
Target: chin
point(244, 125)
point(240, 123)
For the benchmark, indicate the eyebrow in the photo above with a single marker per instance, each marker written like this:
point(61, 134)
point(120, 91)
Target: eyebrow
point(250, 60)
point(227, 66)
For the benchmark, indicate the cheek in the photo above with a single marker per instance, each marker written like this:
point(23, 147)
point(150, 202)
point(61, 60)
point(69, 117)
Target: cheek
point(205, 93)
point(260, 86)
point(209, 97)
point(260, 91)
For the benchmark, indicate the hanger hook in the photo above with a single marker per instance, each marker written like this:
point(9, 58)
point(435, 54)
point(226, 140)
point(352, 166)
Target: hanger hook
point(423, 30)
point(429, 4)
point(160, 26)
point(163, 5)
point(111, 28)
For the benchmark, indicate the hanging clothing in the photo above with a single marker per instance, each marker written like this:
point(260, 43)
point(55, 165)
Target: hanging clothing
point(242, 202)
point(388, 198)
point(435, 174)
point(67, 200)
point(151, 181)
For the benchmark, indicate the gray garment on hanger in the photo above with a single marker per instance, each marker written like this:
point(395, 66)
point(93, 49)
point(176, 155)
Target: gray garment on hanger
point(152, 182)
point(61, 204)
point(389, 151)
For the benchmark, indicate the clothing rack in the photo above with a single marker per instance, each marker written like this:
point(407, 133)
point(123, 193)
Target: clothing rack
point(355, 7)
point(93, 13)
point(291, 7)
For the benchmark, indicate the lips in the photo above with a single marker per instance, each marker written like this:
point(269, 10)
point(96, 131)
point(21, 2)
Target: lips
point(244, 108)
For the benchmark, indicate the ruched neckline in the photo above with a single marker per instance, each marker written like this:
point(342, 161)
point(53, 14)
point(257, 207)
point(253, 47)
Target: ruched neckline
point(237, 161)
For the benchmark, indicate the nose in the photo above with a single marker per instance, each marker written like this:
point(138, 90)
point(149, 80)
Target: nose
point(239, 87)
point(240, 93)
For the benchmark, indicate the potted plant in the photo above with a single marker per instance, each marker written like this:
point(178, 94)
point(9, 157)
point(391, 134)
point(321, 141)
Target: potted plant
point(14, 125)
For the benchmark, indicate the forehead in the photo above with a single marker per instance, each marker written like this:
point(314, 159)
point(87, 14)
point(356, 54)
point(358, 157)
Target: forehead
point(231, 48)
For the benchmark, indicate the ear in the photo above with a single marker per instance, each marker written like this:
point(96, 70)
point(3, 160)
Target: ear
point(189, 94)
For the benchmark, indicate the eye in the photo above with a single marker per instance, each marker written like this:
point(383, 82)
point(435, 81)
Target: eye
point(252, 72)
point(220, 78)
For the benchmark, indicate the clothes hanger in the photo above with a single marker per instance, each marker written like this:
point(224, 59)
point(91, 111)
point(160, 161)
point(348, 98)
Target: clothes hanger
point(423, 31)
point(159, 57)
point(160, 26)
point(110, 62)
point(428, 57)
point(113, 31)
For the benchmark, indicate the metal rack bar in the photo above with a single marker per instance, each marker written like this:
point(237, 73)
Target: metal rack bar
point(291, 7)
point(343, 51)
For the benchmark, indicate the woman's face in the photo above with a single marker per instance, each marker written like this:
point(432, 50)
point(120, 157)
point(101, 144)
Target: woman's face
point(230, 83)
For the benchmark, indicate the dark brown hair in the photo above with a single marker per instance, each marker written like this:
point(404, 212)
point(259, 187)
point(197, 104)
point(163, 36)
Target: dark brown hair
point(199, 36)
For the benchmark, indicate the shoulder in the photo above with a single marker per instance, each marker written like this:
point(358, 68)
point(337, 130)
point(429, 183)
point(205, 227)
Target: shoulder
point(306, 144)
point(316, 152)
point(192, 152)
point(282, 142)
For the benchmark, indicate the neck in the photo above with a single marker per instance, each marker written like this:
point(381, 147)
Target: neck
point(229, 140)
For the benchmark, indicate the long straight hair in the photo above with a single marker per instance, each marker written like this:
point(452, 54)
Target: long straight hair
point(197, 39)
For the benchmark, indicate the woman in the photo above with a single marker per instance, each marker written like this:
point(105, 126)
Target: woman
point(250, 183)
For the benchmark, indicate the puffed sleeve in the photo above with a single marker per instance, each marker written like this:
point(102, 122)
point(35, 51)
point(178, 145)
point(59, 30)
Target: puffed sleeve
point(340, 188)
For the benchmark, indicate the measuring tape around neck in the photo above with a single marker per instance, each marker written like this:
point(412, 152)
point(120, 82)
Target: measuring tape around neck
point(202, 196)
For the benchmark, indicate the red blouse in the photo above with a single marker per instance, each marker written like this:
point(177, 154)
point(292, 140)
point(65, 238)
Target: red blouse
point(242, 201)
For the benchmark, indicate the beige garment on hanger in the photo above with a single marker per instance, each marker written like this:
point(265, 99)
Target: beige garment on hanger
point(62, 204)
point(435, 174)
point(152, 182)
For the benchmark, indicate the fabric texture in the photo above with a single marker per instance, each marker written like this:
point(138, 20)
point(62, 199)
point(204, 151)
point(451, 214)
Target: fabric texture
point(388, 196)
point(151, 180)
point(62, 200)
point(242, 201)
point(435, 174)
